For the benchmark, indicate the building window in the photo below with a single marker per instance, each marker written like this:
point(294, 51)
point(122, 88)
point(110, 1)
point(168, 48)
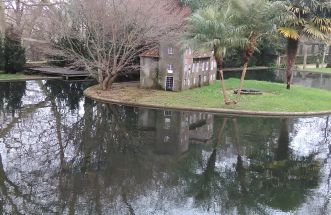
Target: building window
point(207, 66)
point(197, 68)
point(170, 68)
point(170, 51)
point(167, 123)
point(203, 66)
point(166, 139)
point(167, 113)
point(194, 80)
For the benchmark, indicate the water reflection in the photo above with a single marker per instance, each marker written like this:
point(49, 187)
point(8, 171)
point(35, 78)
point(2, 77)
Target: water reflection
point(308, 79)
point(74, 156)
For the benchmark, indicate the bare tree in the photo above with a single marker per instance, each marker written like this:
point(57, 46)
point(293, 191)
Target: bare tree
point(2, 17)
point(24, 15)
point(105, 37)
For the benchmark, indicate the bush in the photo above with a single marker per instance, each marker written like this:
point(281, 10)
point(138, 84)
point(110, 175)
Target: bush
point(14, 55)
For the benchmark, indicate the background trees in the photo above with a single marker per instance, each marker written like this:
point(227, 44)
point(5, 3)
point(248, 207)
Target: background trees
point(106, 37)
point(306, 18)
point(232, 24)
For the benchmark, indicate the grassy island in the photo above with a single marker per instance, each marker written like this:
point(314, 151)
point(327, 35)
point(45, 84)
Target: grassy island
point(275, 97)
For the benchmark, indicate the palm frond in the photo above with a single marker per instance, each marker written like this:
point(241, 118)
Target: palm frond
point(289, 33)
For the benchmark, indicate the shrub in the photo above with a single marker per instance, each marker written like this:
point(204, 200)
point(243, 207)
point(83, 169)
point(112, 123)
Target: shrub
point(2, 55)
point(14, 55)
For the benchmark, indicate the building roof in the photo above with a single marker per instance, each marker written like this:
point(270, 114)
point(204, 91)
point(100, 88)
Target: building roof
point(155, 53)
point(202, 54)
point(151, 53)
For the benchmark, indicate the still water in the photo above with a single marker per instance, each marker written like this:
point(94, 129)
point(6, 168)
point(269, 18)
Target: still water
point(61, 153)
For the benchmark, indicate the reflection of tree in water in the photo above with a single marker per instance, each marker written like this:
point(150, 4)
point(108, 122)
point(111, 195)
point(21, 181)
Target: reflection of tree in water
point(266, 176)
point(11, 94)
point(70, 93)
point(105, 164)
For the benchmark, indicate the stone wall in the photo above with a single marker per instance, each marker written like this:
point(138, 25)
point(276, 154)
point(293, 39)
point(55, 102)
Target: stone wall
point(149, 72)
point(175, 60)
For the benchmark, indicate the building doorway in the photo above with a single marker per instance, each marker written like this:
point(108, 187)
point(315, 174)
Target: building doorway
point(169, 83)
point(199, 80)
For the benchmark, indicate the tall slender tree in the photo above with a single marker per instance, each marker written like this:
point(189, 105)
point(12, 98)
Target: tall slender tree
point(258, 19)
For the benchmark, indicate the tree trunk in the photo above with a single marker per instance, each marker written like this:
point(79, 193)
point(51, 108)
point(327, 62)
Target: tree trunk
point(220, 60)
point(305, 55)
point(325, 48)
point(248, 54)
point(108, 82)
point(242, 79)
point(105, 83)
point(292, 49)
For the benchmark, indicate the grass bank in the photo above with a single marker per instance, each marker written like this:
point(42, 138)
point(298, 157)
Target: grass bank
point(320, 70)
point(18, 76)
point(275, 97)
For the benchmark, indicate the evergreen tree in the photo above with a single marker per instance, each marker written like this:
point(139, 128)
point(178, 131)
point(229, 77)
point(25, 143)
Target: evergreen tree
point(2, 55)
point(14, 54)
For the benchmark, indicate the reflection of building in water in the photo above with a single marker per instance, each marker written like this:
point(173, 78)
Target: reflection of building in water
point(170, 132)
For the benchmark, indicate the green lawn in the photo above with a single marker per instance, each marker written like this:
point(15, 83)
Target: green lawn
point(275, 98)
point(322, 70)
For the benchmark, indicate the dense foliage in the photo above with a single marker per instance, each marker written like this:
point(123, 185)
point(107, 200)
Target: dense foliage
point(2, 54)
point(14, 55)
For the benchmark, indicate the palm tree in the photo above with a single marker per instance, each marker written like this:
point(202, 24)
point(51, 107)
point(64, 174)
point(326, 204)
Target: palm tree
point(211, 28)
point(307, 18)
point(258, 19)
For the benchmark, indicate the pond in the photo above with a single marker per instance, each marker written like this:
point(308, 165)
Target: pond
point(61, 153)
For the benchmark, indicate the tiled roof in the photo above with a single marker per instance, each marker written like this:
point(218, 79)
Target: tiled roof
point(151, 53)
point(202, 54)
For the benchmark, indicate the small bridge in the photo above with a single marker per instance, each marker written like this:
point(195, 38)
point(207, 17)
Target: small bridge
point(65, 72)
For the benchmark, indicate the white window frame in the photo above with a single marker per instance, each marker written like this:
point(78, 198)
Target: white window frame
point(166, 139)
point(170, 50)
point(170, 68)
point(203, 66)
point(167, 123)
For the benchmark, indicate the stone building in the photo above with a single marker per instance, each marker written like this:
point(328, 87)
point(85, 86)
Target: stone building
point(170, 68)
